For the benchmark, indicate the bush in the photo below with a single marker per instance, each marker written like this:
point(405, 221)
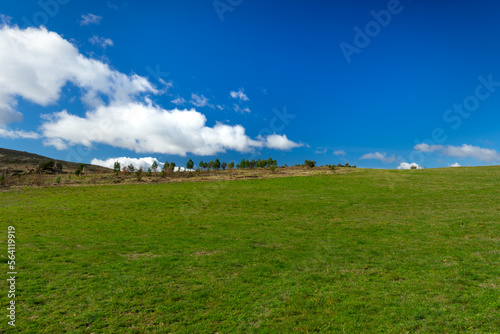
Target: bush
point(190, 164)
point(2, 178)
point(79, 170)
point(273, 169)
point(310, 163)
point(154, 166)
point(138, 174)
point(46, 165)
point(58, 180)
point(117, 167)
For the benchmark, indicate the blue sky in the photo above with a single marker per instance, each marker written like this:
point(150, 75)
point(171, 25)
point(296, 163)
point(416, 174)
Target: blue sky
point(373, 83)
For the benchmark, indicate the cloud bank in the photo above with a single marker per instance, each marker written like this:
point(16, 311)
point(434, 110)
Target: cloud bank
point(380, 156)
point(145, 163)
point(464, 151)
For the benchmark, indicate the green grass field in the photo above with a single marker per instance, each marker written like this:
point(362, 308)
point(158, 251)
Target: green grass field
point(374, 251)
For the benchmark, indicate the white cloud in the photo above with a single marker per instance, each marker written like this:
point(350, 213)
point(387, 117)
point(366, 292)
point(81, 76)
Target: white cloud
point(405, 165)
point(456, 164)
point(220, 107)
point(464, 151)
point(237, 108)
point(5, 19)
point(90, 19)
point(428, 148)
point(149, 128)
point(199, 101)
point(145, 163)
point(320, 151)
point(36, 64)
point(101, 41)
point(380, 156)
point(9, 134)
point(239, 95)
point(178, 101)
point(340, 152)
point(279, 142)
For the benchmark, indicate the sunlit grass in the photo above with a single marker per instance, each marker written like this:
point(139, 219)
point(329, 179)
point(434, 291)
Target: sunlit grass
point(373, 251)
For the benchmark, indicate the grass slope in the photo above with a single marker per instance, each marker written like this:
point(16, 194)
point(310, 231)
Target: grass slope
point(374, 251)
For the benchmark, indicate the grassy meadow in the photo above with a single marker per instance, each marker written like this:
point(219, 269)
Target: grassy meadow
point(373, 251)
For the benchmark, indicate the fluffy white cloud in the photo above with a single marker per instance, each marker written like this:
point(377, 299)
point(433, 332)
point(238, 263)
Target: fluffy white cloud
point(101, 41)
point(380, 156)
point(240, 95)
point(145, 163)
point(149, 128)
point(279, 142)
point(90, 19)
point(464, 151)
point(405, 165)
point(36, 64)
point(340, 152)
point(456, 164)
point(9, 134)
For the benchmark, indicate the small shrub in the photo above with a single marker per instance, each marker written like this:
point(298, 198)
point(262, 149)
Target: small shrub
point(138, 174)
point(117, 167)
point(2, 178)
point(273, 169)
point(58, 180)
point(46, 165)
point(79, 170)
point(310, 163)
point(148, 173)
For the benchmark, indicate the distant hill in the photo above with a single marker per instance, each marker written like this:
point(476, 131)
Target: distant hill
point(23, 161)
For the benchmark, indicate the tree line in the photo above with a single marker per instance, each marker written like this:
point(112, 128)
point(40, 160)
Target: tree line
point(169, 167)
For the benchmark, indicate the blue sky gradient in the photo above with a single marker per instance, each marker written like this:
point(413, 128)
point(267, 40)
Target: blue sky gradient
point(393, 94)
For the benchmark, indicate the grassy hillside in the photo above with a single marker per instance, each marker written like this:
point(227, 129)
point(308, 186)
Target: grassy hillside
point(374, 251)
point(23, 161)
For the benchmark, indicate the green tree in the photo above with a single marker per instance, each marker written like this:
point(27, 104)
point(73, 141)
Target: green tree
point(117, 168)
point(310, 163)
point(172, 166)
point(190, 164)
point(79, 170)
point(131, 168)
point(154, 166)
point(231, 165)
point(242, 163)
point(202, 164)
point(224, 165)
point(138, 174)
point(252, 164)
point(217, 164)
